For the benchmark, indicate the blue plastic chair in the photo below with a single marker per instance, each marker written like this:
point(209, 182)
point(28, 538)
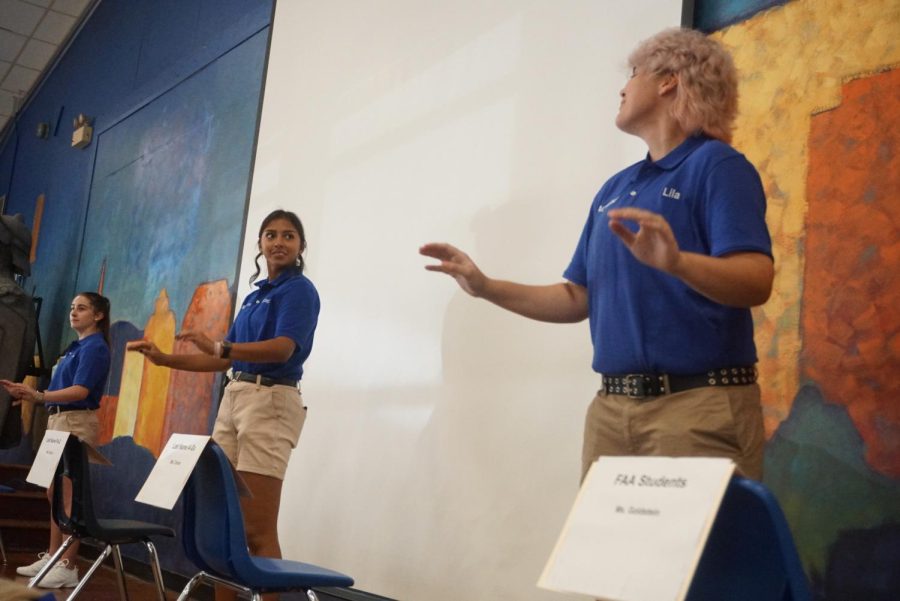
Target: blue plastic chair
point(215, 541)
point(750, 554)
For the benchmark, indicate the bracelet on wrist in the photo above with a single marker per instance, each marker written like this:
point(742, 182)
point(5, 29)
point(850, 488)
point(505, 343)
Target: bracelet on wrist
point(226, 349)
point(39, 397)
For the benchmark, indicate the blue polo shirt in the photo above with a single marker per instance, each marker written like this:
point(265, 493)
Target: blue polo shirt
point(643, 320)
point(287, 306)
point(85, 363)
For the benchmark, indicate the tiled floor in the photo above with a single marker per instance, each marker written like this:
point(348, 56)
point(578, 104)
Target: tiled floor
point(101, 587)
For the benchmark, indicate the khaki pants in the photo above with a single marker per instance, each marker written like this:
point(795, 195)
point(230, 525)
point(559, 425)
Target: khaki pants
point(258, 426)
point(713, 421)
point(83, 424)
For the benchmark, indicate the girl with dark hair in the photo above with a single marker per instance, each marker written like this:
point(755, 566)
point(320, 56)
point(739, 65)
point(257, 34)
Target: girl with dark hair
point(72, 400)
point(270, 339)
point(298, 226)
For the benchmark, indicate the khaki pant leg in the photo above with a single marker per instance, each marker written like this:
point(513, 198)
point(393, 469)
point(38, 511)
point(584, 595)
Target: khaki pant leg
point(715, 421)
point(605, 430)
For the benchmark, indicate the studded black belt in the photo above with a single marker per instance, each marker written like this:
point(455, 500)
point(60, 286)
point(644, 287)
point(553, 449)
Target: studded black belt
point(639, 386)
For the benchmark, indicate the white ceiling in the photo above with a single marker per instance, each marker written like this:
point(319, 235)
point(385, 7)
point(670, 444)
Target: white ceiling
point(31, 34)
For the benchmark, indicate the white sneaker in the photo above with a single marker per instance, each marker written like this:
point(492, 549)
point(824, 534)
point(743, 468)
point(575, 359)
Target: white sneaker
point(34, 568)
point(60, 576)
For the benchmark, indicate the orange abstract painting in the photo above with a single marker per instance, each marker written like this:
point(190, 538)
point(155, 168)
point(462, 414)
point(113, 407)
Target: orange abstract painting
point(851, 307)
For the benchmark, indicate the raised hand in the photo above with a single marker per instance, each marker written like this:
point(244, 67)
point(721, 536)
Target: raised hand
point(21, 392)
point(654, 243)
point(203, 342)
point(147, 349)
point(456, 264)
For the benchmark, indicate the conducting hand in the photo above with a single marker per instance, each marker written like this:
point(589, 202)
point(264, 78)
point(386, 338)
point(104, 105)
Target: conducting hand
point(147, 349)
point(21, 392)
point(200, 340)
point(456, 264)
point(654, 243)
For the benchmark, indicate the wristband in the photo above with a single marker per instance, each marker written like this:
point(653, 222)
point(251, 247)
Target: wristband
point(226, 349)
point(39, 397)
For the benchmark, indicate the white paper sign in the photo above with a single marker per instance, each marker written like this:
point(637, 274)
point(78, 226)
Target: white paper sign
point(638, 527)
point(172, 470)
point(47, 458)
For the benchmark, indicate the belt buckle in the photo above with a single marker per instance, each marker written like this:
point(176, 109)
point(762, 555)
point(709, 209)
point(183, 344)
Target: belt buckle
point(634, 386)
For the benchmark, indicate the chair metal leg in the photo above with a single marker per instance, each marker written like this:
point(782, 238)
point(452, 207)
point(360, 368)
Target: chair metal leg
point(222, 582)
point(186, 591)
point(157, 571)
point(52, 562)
point(120, 569)
point(102, 557)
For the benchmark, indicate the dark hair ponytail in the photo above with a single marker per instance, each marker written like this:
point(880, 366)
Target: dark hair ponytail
point(100, 304)
point(298, 225)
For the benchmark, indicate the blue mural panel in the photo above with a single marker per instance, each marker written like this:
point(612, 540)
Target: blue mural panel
point(711, 15)
point(169, 189)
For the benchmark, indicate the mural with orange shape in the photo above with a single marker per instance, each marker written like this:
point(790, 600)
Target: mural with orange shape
point(151, 410)
point(190, 395)
point(28, 408)
point(106, 415)
point(851, 300)
point(129, 394)
point(792, 61)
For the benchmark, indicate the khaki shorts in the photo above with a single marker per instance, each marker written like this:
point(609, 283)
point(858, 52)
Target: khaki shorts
point(83, 424)
point(712, 421)
point(258, 426)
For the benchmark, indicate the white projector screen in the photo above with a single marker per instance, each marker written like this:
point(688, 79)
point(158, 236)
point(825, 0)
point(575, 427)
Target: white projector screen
point(441, 452)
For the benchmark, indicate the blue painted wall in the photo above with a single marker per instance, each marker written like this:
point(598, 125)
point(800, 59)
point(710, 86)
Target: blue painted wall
point(712, 15)
point(129, 53)
point(131, 58)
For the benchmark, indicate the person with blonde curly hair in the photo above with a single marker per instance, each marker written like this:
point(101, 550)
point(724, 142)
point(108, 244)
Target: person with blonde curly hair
point(674, 254)
point(706, 98)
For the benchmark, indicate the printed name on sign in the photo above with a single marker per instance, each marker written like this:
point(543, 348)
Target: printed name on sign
point(47, 458)
point(637, 528)
point(172, 470)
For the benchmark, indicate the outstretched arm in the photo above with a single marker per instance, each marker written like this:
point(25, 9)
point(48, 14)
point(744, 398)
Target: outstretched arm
point(276, 350)
point(742, 279)
point(194, 362)
point(23, 392)
point(558, 303)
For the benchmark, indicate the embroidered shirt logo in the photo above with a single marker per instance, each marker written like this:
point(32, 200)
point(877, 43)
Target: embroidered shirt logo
point(605, 206)
point(671, 193)
point(257, 302)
